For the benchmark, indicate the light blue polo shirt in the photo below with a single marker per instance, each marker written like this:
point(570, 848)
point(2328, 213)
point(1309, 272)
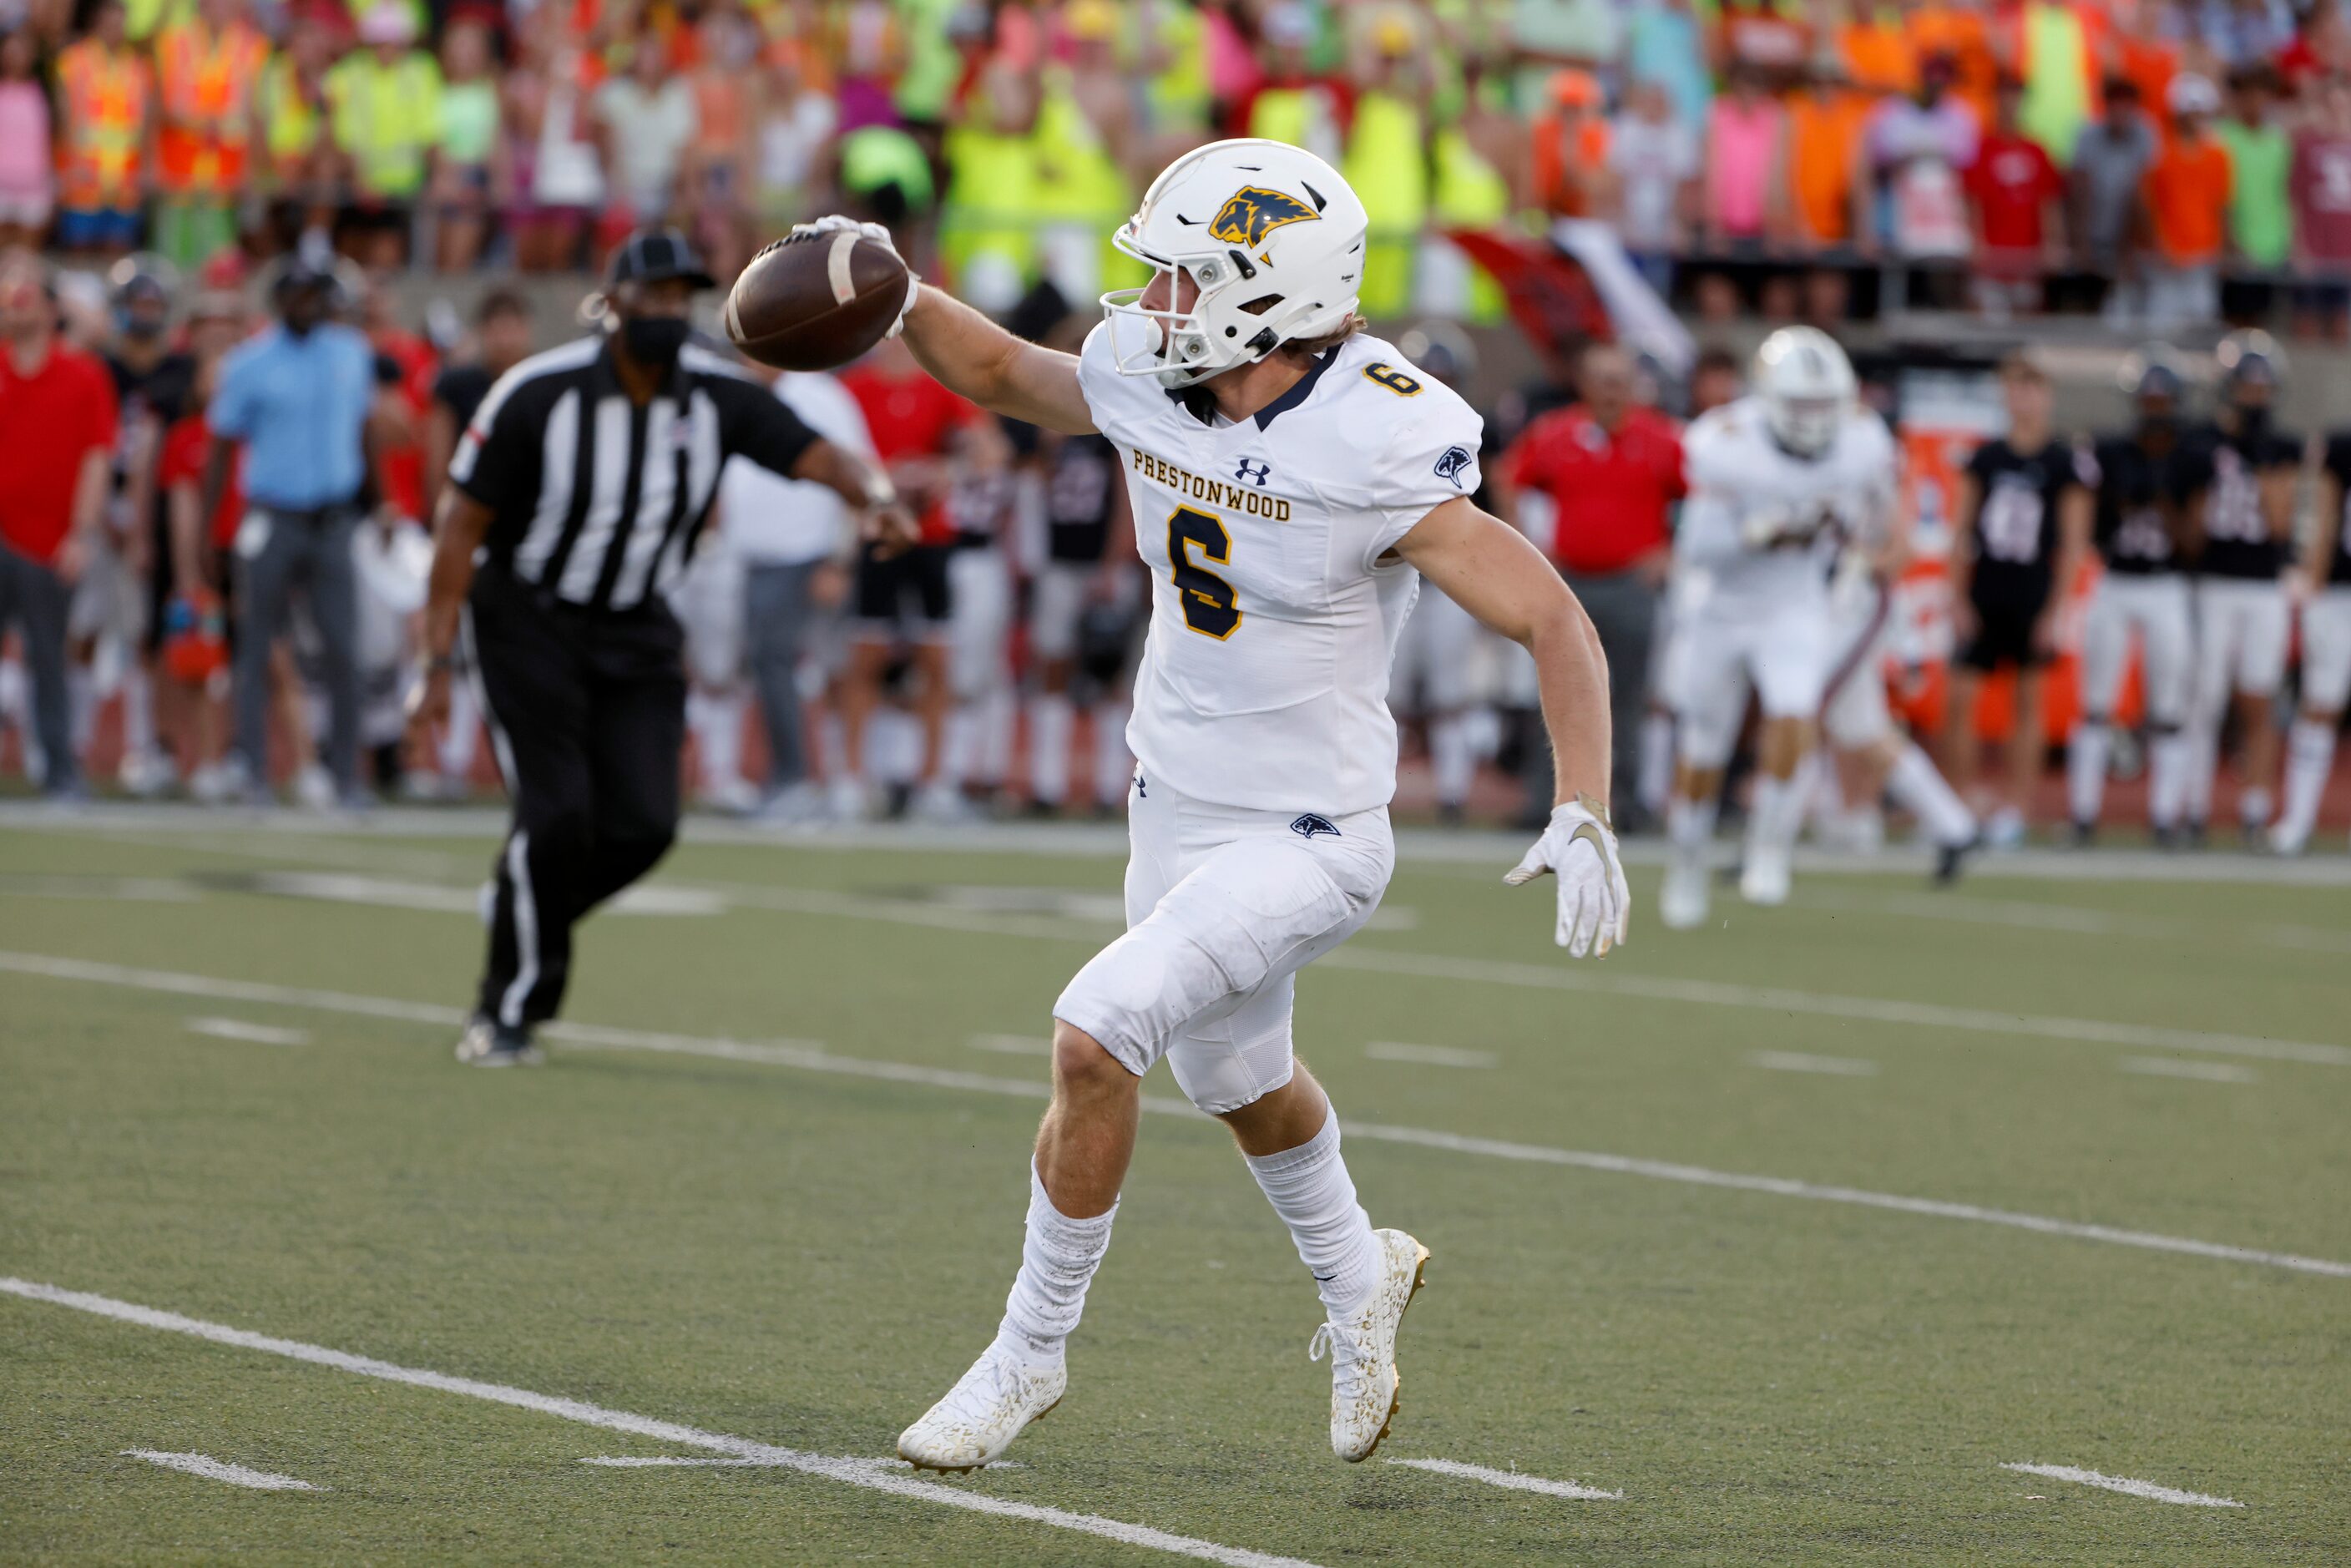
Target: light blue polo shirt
point(300, 406)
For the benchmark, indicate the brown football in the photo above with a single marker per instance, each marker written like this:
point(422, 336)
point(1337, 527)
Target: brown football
point(815, 301)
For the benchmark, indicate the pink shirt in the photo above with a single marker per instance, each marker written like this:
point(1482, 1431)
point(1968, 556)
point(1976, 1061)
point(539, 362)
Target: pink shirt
point(24, 139)
point(1742, 144)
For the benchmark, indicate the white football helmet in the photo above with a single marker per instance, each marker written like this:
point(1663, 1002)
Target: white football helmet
point(1807, 387)
point(1269, 234)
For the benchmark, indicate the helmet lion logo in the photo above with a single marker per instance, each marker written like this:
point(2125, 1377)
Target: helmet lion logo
point(1253, 211)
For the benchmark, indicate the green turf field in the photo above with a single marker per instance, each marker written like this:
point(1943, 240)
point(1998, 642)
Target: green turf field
point(2053, 1172)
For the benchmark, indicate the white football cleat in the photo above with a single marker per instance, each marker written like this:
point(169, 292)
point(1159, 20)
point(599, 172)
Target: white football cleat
point(1681, 902)
point(1764, 878)
point(990, 1406)
point(1365, 1388)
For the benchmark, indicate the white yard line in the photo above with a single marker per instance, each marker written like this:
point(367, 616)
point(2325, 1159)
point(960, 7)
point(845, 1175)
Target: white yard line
point(2173, 1067)
point(1513, 1480)
point(1967, 910)
point(1798, 1061)
point(681, 1462)
point(2128, 1487)
point(832, 903)
point(1428, 1055)
point(1012, 1044)
point(853, 1472)
point(217, 1470)
point(811, 1058)
point(257, 1033)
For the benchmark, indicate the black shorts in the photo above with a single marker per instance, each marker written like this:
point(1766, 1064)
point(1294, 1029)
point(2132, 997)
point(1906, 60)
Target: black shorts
point(909, 588)
point(2003, 638)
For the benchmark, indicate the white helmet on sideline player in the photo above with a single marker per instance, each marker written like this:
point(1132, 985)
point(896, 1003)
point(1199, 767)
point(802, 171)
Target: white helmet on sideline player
point(1252, 224)
point(1807, 387)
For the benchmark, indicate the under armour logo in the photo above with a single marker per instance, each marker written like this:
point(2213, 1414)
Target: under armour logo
point(1310, 824)
point(1255, 470)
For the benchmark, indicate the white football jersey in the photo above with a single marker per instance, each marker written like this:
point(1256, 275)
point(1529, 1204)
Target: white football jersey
point(1264, 680)
point(1741, 478)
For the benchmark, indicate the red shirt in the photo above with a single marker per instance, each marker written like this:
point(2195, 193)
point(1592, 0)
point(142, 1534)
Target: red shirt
point(48, 422)
point(2321, 186)
point(2013, 181)
point(911, 417)
point(185, 447)
point(1611, 492)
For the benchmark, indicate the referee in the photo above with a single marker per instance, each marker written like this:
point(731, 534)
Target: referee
point(574, 500)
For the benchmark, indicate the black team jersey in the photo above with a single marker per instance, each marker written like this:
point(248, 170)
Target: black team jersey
point(2022, 494)
point(2136, 488)
point(2237, 539)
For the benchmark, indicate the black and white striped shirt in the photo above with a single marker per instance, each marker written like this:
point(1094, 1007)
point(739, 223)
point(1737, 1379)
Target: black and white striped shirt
point(601, 499)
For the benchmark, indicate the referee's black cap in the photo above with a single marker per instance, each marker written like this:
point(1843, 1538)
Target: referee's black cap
point(656, 256)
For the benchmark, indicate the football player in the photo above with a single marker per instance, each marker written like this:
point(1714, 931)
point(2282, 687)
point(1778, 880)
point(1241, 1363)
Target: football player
point(2020, 535)
point(2148, 523)
point(1292, 478)
point(1777, 480)
point(2325, 651)
point(2242, 614)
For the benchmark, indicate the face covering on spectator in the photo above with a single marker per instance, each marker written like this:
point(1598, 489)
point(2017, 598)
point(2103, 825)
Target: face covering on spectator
point(654, 341)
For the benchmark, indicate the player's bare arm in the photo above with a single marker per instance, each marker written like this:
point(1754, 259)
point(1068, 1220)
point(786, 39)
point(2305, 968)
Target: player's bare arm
point(460, 524)
point(1489, 569)
point(973, 357)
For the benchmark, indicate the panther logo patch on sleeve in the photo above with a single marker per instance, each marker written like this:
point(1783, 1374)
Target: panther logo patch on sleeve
point(1452, 462)
point(1253, 211)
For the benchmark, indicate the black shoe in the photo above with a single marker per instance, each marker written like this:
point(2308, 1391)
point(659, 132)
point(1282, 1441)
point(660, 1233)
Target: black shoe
point(1952, 859)
point(1449, 814)
point(2086, 833)
point(486, 1043)
point(2168, 839)
point(2196, 833)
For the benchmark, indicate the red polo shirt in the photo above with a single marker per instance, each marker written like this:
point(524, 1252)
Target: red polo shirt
point(1610, 492)
point(48, 422)
point(911, 416)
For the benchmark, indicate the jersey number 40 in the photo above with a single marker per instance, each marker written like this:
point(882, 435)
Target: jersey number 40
point(1208, 601)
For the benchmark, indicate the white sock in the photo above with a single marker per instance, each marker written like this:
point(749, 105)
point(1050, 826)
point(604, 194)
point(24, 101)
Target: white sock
point(2253, 806)
point(1657, 769)
point(1114, 763)
point(1450, 757)
point(1690, 825)
point(1921, 789)
point(1058, 1261)
point(2203, 753)
point(2085, 769)
point(1050, 721)
point(831, 747)
point(960, 745)
point(992, 753)
point(2168, 757)
point(2309, 759)
point(138, 713)
point(1773, 814)
point(1310, 1188)
point(717, 720)
point(462, 735)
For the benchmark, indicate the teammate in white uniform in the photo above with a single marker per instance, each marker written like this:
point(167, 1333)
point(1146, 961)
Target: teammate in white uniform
point(1776, 481)
point(2325, 571)
point(1290, 478)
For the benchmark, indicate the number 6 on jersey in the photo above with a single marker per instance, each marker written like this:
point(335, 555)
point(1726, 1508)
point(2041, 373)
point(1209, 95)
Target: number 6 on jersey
point(1208, 599)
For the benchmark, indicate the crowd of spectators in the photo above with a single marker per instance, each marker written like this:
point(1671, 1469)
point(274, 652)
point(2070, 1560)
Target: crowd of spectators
point(2163, 160)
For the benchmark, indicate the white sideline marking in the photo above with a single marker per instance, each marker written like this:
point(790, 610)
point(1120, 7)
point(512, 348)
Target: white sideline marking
point(2124, 1485)
point(218, 1469)
point(2071, 919)
point(815, 1059)
point(1012, 1044)
point(258, 1033)
point(1513, 1480)
point(2173, 1067)
point(853, 1472)
point(1430, 966)
point(665, 1461)
point(1798, 1061)
point(119, 889)
point(1428, 1055)
point(442, 898)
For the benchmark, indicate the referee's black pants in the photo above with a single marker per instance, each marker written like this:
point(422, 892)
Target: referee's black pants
point(587, 715)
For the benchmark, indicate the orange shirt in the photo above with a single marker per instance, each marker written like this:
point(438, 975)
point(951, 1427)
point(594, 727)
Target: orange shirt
point(2188, 199)
point(1880, 55)
point(1822, 138)
point(106, 101)
point(2148, 64)
point(1554, 157)
point(208, 82)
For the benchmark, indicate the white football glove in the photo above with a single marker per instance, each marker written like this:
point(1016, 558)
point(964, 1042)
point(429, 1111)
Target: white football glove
point(834, 222)
point(1580, 848)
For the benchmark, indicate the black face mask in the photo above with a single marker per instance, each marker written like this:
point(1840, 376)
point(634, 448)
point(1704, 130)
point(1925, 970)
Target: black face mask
point(654, 341)
point(2253, 423)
